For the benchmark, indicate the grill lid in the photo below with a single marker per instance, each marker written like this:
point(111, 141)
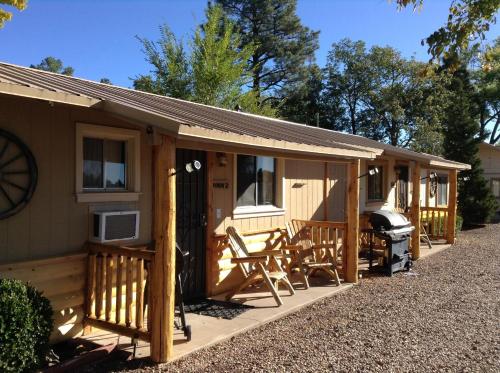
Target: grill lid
point(383, 220)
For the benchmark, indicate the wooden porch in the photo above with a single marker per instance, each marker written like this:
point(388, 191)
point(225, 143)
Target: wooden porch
point(120, 290)
point(209, 330)
point(132, 291)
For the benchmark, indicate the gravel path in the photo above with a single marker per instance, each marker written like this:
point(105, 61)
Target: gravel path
point(444, 317)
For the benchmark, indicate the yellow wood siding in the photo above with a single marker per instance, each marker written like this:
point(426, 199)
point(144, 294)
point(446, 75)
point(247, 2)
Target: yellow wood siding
point(303, 199)
point(62, 281)
point(53, 223)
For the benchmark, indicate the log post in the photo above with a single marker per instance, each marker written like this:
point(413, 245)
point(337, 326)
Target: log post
point(351, 270)
point(415, 212)
point(452, 207)
point(163, 281)
point(326, 192)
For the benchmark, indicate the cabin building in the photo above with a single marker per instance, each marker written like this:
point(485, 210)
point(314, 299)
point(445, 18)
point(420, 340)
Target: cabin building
point(94, 194)
point(490, 161)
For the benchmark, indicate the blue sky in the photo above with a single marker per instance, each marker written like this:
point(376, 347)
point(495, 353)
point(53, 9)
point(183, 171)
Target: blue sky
point(97, 38)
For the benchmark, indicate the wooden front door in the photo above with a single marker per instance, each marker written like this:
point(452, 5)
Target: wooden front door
point(192, 220)
point(402, 188)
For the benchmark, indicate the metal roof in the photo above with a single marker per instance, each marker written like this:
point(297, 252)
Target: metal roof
point(174, 114)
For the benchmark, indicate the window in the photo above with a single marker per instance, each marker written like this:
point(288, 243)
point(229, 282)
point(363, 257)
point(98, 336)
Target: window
point(495, 187)
point(442, 190)
point(104, 164)
point(256, 181)
point(375, 183)
point(107, 164)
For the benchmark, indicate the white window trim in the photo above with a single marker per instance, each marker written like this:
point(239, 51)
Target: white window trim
point(133, 172)
point(242, 212)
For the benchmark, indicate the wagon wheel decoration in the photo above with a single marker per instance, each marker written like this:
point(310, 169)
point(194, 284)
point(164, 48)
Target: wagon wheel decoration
point(18, 174)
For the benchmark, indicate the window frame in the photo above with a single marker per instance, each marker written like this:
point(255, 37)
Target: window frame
point(241, 212)
point(132, 141)
point(382, 165)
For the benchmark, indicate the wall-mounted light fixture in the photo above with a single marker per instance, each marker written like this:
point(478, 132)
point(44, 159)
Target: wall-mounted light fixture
point(193, 166)
point(221, 159)
point(431, 176)
point(189, 167)
point(370, 172)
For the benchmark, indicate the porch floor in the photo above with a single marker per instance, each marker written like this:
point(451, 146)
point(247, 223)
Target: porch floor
point(207, 330)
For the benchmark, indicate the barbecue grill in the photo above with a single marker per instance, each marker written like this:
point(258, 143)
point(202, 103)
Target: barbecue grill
point(396, 230)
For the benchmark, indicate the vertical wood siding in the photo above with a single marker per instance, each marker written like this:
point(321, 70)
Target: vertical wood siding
point(303, 199)
point(53, 223)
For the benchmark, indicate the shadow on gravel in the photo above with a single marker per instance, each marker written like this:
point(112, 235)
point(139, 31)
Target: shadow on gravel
point(470, 227)
point(117, 363)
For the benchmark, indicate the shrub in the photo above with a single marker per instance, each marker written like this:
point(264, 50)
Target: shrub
point(459, 223)
point(25, 326)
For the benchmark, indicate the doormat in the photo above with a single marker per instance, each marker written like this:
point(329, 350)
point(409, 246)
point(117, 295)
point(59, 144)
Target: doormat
point(216, 308)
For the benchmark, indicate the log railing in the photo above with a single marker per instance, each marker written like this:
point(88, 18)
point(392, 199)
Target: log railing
point(435, 221)
point(117, 294)
point(326, 232)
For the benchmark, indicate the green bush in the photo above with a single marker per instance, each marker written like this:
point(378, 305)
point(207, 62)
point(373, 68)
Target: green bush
point(25, 327)
point(459, 223)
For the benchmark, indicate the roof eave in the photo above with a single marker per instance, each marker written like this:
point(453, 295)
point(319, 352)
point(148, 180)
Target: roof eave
point(47, 95)
point(244, 141)
point(450, 165)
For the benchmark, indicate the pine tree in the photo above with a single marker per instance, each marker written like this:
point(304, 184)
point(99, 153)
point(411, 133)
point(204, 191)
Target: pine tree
point(303, 102)
point(282, 44)
point(476, 204)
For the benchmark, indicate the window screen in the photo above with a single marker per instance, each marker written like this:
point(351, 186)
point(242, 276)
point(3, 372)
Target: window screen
point(442, 192)
point(265, 180)
point(104, 164)
point(93, 171)
point(246, 182)
point(495, 187)
point(256, 179)
point(375, 184)
point(114, 163)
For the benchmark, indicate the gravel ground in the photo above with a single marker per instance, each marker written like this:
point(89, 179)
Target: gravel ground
point(442, 317)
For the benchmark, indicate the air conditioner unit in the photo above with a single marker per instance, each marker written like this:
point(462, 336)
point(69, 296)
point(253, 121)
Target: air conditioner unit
point(115, 225)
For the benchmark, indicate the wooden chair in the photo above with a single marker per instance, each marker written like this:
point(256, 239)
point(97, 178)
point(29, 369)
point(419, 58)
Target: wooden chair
point(308, 257)
point(424, 237)
point(257, 267)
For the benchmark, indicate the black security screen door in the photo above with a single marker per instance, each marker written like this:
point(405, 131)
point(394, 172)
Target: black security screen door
point(191, 220)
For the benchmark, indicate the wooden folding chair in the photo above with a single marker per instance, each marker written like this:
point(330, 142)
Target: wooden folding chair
point(424, 237)
point(308, 257)
point(257, 267)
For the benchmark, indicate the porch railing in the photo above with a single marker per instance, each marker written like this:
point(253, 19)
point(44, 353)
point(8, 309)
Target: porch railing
point(326, 232)
point(117, 293)
point(435, 221)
